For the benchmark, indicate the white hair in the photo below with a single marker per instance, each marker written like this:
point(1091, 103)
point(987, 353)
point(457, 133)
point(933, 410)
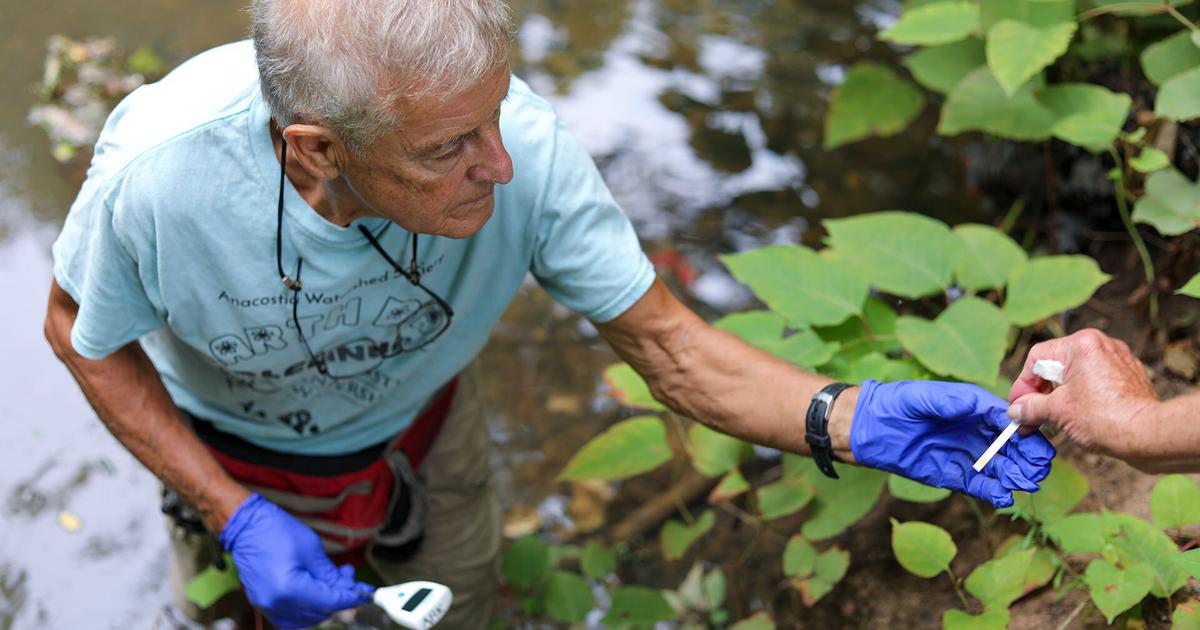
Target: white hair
point(348, 64)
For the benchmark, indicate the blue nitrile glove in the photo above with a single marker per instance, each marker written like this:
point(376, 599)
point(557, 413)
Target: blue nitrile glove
point(933, 432)
point(284, 569)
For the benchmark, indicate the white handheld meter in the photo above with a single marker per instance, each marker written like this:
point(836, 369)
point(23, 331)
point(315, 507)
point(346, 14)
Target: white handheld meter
point(415, 605)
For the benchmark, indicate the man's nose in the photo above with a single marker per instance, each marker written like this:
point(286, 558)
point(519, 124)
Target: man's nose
point(494, 165)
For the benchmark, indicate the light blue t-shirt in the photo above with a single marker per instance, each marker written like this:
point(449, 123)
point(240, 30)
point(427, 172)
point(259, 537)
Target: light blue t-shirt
point(172, 241)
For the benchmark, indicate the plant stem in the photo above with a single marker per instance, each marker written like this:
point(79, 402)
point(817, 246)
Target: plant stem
point(962, 597)
point(1155, 7)
point(1074, 613)
point(1173, 12)
point(1010, 218)
point(1138, 243)
point(984, 524)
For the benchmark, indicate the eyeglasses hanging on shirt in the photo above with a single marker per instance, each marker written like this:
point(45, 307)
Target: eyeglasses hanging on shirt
point(414, 330)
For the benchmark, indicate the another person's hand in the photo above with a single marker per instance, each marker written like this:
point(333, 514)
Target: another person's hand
point(1104, 389)
point(284, 569)
point(933, 432)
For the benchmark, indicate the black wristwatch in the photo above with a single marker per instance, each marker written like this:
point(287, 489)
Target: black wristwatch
point(816, 427)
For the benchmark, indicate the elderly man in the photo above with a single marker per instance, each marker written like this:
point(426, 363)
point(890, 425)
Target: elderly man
point(1106, 403)
point(277, 274)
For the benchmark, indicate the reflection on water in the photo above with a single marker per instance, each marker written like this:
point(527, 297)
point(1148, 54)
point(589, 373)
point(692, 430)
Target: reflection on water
point(705, 118)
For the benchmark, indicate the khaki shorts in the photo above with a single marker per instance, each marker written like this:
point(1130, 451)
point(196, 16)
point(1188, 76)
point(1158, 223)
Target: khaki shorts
point(462, 535)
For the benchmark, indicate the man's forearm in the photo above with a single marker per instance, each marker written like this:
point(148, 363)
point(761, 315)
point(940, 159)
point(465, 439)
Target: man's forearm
point(1163, 437)
point(128, 395)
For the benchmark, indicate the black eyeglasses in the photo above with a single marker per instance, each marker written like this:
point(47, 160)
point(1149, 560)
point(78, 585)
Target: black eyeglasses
point(418, 323)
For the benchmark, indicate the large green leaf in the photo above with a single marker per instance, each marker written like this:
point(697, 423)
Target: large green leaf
point(875, 366)
point(966, 341)
point(805, 349)
point(1187, 615)
point(526, 563)
point(991, 257)
point(1082, 533)
point(795, 282)
point(839, 503)
point(676, 536)
point(1017, 51)
point(902, 253)
point(1179, 97)
point(212, 584)
point(940, 68)
point(799, 557)
point(598, 561)
point(714, 453)
point(1192, 288)
point(828, 569)
point(1086, 115)
point(955, 619)
point(935, 23)
point(1059, 493)
point(1034, 12)
point(1141, 542)
point(629, 389)
point(1050, 285)
point(1175, 502)
point(1190, 562)
point(1116, 590)
point(758, 328)
point(858, 337)
point(914, 491)
point(784, 497)
point(872, 101)
point(1171, 204)
point(568, 598)
point(1169, 57)
point(1000, 581)
point(978, 103)
point(628, 448)
point(924, 549)
point(637, 606)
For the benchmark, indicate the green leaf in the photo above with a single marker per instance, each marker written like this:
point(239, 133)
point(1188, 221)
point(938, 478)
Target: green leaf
point(1171, 204)
point(916, 492)
point(1175, 502)
point(1082, 533)
point(760, 621)
point(146, 62)
point(1187, 615)
point(212, 584)
point(966, 341)
point(1141, 542)
point(1179, 97)
point(732, 485)
point(628, 448)
point(629, 389)
point(1038, 13)
point(1116, 590)
point(1017, 51)
point(853, 335)
point(839, 503)
point(933, 24)
point(598, 561)
point(783, 498)
point(1150, 160)
point(955, 619)
point(638, 606)
point(713, 453)
point(1060, 492)
point(676, 537)
point(1086, 115)
point(991, 257)
point(875, 366)
point(1050, 285)
point(924, 549)
point(902, 253)
point(1189, 561)
point(799, 558)
point(978, 103)
point(1000, 581)
point(798, 284)
point(873, 101)
point(526, 563)
point(568, 598)
point(940, 68)
point(760, 329)
point(714, 587)
point(1132, 9)
point(828, 569)
point(805, 348)
point(1192, 288)
point(1169, 57)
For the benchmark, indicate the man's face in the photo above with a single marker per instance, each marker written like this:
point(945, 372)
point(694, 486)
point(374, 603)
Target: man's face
point(435, 174)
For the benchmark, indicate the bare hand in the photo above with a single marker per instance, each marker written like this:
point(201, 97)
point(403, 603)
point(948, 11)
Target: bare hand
point(1104, 391)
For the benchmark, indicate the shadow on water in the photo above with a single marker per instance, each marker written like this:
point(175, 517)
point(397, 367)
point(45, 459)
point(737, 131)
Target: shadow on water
point(705, 118)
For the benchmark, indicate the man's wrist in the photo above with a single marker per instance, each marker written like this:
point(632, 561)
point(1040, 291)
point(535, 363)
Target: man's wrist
point(841, 416)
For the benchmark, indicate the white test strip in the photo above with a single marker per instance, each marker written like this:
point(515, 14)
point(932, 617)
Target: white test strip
point(1048, 369)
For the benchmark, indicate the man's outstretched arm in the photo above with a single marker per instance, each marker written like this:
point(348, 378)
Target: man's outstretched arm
point(927, 431)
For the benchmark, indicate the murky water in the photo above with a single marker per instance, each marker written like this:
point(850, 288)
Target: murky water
point(705, 117)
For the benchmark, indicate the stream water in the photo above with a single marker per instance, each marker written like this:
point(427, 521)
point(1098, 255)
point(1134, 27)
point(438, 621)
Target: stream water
point(705, 118)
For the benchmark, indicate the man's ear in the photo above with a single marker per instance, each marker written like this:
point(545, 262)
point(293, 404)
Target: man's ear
point(317, 149)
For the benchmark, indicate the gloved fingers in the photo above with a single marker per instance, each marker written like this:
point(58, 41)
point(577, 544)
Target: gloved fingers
point(936, 400)
point(326, 598)
point(989, 489)
point(1033, 453)
point(1009, 474)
